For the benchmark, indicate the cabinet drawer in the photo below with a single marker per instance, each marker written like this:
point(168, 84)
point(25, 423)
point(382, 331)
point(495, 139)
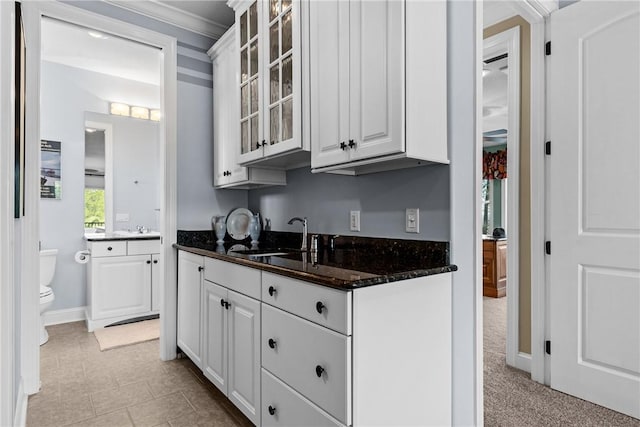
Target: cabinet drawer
point(301, 351)
point(244, 280)
point(289, 407)
point(143, 247)
point(304, 299)
point(111, 248)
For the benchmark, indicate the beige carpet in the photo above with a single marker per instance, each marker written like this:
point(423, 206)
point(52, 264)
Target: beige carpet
point(511, 398)
point(131, 333)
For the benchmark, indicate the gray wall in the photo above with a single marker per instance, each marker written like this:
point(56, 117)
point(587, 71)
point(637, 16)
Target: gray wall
point(381, 198)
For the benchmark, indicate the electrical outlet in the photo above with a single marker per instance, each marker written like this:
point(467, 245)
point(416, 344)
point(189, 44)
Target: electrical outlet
point(412, 220)
point(354, 220)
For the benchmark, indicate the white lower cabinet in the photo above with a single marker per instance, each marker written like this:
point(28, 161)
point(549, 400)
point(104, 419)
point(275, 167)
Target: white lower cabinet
point(283, 406)
point(190, 275)
point(292, 353)
point(122, 281)
point(231, 346)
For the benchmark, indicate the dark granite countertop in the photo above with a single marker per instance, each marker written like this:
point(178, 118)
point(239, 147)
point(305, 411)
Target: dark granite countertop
point(117, 235)
point(348, 263)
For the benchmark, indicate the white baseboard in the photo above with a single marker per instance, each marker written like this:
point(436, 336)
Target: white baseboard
point(523, 362)
point(20, 419)
point(55, 317)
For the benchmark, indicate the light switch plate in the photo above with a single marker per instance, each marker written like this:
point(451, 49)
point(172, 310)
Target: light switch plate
point(354, 221)
point(122, 217)
point(412, 220)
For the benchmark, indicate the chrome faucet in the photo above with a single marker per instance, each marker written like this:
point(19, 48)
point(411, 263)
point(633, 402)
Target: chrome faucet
point(303, 247)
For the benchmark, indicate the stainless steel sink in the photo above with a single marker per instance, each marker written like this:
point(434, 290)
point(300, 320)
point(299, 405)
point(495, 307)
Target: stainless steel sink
point(265, 252)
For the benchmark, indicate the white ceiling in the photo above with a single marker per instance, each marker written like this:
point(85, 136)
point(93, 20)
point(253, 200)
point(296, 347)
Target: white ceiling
point(213, 10)
point(75, 46)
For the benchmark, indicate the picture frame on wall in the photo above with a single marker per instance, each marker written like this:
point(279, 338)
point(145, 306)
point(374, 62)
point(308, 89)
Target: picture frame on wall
point(50, 159)
point(20, 78)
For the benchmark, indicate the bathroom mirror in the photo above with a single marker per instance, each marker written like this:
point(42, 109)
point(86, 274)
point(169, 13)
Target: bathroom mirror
point(121, 177)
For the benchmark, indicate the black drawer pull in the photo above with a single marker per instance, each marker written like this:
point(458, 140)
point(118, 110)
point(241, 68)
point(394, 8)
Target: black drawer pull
point(200, 268)
point(352, 143)
point(222, 302)
point(272, 290)
point(272, 343)
point(109, 248)
point(319, 371)
point(148, 261)
point(320, 306)
point(155, 261)
point(343, 146)
point(272, 410)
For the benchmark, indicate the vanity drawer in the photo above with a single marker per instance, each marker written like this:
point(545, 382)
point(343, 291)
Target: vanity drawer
point(244, 280)
point(325, 306)
point(108, 248)
point(143, 247)
point(313, 360)
point(289, 407)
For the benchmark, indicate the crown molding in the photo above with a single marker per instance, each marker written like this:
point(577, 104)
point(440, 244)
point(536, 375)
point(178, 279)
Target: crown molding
point(174, 16)
point(223, 42)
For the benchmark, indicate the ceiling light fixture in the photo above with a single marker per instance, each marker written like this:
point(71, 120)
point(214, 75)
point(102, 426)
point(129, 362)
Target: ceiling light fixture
point(118, 109)
point(140, 113)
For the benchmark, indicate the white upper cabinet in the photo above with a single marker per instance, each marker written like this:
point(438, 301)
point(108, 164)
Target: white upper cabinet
point(226, 108)
point(378, 84)
point(270, 87)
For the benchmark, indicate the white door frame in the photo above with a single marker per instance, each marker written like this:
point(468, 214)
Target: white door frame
point(108, 170)
point(33, 13)
point(509, 42)
point(7, 286)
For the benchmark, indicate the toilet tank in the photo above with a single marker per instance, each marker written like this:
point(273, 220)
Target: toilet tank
point(47, 266)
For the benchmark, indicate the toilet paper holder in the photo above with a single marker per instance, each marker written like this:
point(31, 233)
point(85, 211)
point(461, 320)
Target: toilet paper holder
point(82, 257)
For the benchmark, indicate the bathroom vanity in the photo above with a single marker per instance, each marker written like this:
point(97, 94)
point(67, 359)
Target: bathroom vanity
point(122, 278)
point(358, 335)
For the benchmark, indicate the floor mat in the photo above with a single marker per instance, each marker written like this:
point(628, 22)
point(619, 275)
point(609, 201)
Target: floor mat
point(131, 333)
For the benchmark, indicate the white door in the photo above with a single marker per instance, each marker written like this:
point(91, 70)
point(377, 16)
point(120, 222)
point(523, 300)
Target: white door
point(214, 323)
point(121, 286)
point(594, 115)
point(190, 268)
point(244, 354)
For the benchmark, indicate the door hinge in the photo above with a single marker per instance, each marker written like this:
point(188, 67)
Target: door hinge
point(547, 148)
point(547, 48)
point(547, 347)
point(547, 247)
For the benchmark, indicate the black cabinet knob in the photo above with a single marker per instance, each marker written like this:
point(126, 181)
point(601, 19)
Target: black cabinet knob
point(352, 143)
point(272, 343)
point(320, 306)
point(272, 290)
point(222, 302)
point(343, 146)
point(109, 248)
point(148, 261)
point(200, 268)
point(264, 142)
point(155, 261)
point(272, 410)
point(228, 173)
point(257, 144)
point(319, 370)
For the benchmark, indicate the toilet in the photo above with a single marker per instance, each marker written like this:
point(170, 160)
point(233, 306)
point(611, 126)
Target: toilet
point(47, 270)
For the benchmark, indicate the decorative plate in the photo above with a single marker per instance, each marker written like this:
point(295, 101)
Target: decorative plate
point(238, 223)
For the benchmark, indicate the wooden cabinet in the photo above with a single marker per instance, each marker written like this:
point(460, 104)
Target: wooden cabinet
point(231, 346)
point(494, 268)
point(122, 281)
point(190, 275)
point(269, 44)
point(227, 172)
point(377, 103)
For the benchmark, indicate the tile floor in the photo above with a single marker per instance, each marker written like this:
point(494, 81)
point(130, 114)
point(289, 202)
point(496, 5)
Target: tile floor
point(127, 386)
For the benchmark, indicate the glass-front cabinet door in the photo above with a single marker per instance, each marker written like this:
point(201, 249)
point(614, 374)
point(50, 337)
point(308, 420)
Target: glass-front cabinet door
point(270, 41)
point(251, 140)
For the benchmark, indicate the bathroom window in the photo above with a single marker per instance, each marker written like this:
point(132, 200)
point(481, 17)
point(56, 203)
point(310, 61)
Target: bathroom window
point(94, 209)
